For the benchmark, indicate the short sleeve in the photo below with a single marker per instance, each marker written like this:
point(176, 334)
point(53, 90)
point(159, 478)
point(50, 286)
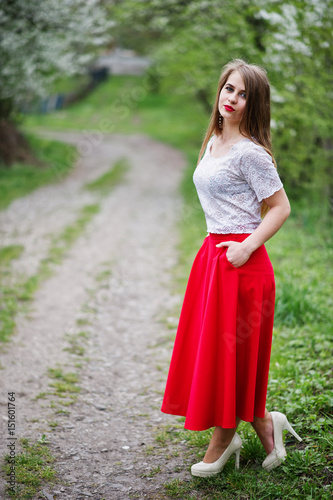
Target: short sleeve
point(259, 172)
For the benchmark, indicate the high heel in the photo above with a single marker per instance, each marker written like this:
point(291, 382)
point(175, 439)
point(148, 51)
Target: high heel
point(202, 469)
point(276, 457)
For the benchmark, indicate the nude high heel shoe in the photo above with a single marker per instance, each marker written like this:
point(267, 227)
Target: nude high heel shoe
point(202, 469)
point(276, 457)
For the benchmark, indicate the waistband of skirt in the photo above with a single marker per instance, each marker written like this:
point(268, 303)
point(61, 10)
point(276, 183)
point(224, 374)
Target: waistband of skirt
point(228, 237)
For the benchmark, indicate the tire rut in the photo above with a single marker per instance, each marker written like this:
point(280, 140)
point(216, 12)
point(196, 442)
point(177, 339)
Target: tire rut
point(101, 444)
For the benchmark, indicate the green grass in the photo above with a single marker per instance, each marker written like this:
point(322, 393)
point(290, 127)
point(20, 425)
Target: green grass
point(64, 387)
point(62, 243)
point(110, 179)
point(68, 84)
point(8, 308)
point(33, 467)
point(58, 374)
point(21, 179)
point(9, 253)
point(75, 345)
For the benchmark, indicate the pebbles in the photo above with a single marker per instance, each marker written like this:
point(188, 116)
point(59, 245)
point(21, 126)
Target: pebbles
point(111, 424)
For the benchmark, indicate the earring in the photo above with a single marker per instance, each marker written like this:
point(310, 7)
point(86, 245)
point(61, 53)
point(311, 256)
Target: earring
point(220, 122)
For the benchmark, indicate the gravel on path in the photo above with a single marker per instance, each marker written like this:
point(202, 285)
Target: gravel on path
point(113, 291)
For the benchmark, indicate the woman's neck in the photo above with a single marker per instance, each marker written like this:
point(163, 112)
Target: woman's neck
point(230, 134)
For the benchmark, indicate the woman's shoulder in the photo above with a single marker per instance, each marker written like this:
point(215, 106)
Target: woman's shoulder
point(251, 151)
point(251, 145)
point(254, 157)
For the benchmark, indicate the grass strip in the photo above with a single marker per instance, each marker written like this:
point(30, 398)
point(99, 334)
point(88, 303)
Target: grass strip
point(64, 385)
point(10, 253)
point(33, 467)
point(56, 159)
point(106, 182)
point(14, 297)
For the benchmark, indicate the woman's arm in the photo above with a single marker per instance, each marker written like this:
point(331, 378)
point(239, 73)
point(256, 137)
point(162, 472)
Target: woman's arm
point(239, 253)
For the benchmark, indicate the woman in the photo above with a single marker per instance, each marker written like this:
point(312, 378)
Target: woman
point(219, 368)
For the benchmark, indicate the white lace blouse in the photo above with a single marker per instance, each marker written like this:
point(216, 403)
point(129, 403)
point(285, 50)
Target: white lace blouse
point(231, 188)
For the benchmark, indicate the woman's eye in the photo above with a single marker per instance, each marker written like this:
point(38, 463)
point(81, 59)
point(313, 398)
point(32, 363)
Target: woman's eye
point(231, 89)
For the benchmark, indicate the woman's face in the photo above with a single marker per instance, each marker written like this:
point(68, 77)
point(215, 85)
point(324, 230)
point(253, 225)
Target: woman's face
point(232, 99)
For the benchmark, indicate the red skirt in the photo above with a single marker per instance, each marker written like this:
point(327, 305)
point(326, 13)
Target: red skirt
point(220, 361)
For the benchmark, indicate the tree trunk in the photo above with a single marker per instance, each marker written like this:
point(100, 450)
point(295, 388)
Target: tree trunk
point(14, 147)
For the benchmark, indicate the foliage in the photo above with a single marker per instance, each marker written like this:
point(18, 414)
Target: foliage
point(40, 40)
point(192, 40)
point(195, 39)
point(299, 47)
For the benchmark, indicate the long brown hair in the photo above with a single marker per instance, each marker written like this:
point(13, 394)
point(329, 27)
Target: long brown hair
point(255, 123)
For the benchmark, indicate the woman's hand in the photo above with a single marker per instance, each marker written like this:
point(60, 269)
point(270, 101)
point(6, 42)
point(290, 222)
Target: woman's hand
point(236, 254)
point(239, 253)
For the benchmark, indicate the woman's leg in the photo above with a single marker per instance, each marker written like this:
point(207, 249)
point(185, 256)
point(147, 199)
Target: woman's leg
point(220, 441)
point(264, 429)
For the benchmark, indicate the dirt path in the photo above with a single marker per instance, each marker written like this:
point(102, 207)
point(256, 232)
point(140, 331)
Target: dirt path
point(114, 285)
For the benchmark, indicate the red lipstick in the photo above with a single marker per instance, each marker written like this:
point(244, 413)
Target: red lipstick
point(228, 108)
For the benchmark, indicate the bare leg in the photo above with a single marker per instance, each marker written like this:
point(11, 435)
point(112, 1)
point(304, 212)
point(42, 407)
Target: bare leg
point(264, 429)
point(221, 439)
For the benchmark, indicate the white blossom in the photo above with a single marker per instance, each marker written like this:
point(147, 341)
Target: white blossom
point(40, 40)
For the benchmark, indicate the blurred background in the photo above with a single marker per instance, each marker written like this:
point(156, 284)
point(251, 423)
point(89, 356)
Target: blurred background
point(55, 53)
